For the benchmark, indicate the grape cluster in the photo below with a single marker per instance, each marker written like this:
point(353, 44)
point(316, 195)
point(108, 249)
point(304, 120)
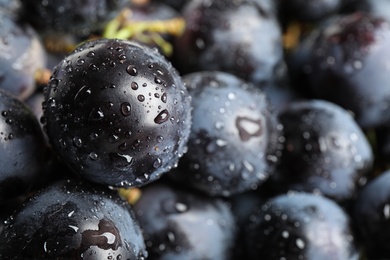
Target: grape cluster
point(194, 129)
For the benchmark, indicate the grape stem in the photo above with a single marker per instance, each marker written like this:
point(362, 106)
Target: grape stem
point(131, 195)
point(122, 27)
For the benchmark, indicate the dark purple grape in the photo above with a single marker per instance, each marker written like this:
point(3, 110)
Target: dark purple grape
point(382, 144)
point(73, 220)
point(297, 62)
point(375, 7)
point(71, 16)
point(180, 224)
point(117, 112)
point(372, 214)
point(310, 10)
point(22, 148)
point(325, 151)
point(348, 65)
point(300, 226)
point(238, 37)
point(13, 6)
point(176, 4)
point(242, 206)
point(34, 102)
point(21, 55)
point(234, 140)
point(8, 208)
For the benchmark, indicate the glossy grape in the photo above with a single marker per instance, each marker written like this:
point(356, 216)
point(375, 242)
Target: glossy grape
point(117, 112)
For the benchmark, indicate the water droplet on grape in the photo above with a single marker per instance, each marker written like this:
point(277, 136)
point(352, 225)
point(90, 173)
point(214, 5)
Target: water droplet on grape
point(82, 95)
point(134, 85)
point(164, 98)
point(77, 142)
point(80, 62)
point(157, 80)
point(248, 128)
point(159, 139)
point(132, 70)
point(157, 163)
point(162, 117)
point(96, 114)
point(93, 156)
point(91, 54)
point(121, 161)
point(125, 108)
point(113, 138)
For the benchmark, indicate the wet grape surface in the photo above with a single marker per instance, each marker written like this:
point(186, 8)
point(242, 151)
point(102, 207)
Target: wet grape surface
point(194, 129)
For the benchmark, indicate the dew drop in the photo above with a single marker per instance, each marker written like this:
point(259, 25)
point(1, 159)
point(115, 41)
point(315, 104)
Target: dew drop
point(162, 117)
point(93, 156)
point(132, 70)
point(141, 98)
point(159, 139)
point(74, 228)
point(109, 105)
point(91, 54)
point(125, 108)
point(113, 138)
point(52, 102)
point(122, 146)
point(164, 98)
point(157, 80)
point(248, 128)
point(80, 62)
point(96, 114)
point(157, 163)
point(134, 85)
point(77, 142)
point(142, 178)
point(121, 161)
point(53, 84)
